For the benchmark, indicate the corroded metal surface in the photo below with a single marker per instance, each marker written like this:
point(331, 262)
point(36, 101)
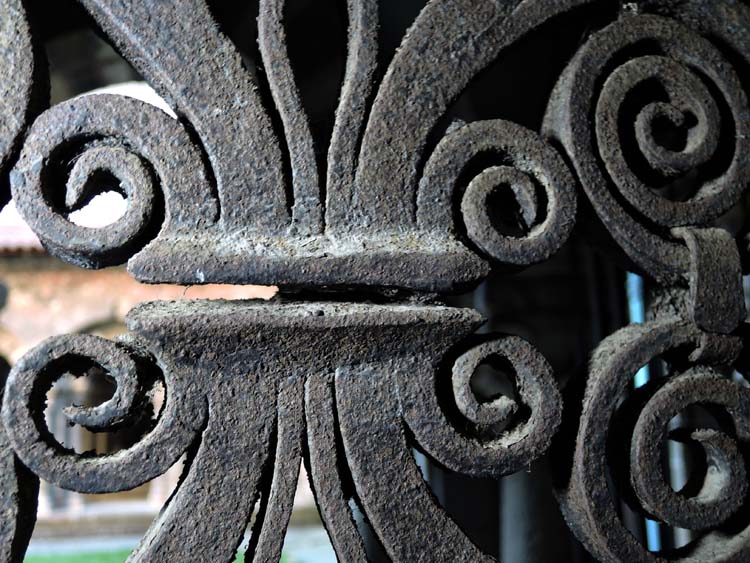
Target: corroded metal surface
point(663, 64)
point(587, 501)
point(18, 497)
point(240, 378)
point(23, 93)
point(22, 86)
point(649, 121)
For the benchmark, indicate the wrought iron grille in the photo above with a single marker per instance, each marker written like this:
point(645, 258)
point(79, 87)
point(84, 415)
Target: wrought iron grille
point(644, 149)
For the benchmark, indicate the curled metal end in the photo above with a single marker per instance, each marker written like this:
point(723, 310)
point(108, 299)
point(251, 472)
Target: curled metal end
point(496, 438)
point(167, 438)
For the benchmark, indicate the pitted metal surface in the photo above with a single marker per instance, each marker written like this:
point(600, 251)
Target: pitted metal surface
point(652, 103)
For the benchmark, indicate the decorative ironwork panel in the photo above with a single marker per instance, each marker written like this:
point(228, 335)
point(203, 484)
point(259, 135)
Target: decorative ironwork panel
point(654, 102)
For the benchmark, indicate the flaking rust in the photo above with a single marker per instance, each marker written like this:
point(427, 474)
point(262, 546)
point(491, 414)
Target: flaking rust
point(349, 387)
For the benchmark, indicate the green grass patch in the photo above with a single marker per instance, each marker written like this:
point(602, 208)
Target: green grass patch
point(109, 557)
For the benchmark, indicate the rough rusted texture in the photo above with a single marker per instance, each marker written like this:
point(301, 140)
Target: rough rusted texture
point(23, 89)
point(19, 490)
point(649, 117)
point(680, 65)
point(307, 211)
point(587, 501)
point(369, 221)
point(536, 388)
point(662, 64)
point(724, 488)
point(241, 378)
point(716, 299)
point(531, 166)
point(23, 94)
point(180, 50)
point(325, 465)
point(690, 329)
point(258, 226)
point(24, 403)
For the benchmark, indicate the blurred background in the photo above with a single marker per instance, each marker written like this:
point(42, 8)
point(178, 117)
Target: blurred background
point(564, 306)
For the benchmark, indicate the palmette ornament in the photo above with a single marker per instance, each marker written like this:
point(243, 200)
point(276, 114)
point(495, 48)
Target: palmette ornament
point(220, 195)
